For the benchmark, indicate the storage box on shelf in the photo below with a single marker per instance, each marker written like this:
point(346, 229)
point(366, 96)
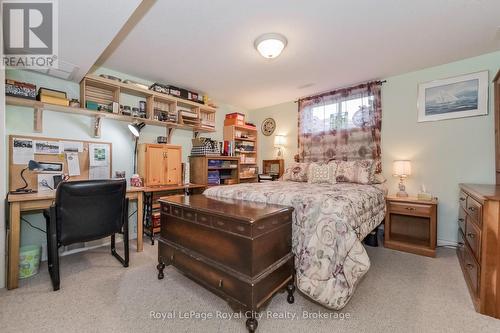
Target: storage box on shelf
point(214, 170)
point(242, 140)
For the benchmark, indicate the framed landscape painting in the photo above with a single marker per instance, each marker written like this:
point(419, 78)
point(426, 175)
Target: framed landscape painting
point(456, 97)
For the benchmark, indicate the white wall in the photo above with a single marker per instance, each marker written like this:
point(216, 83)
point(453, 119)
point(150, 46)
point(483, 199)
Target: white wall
point(19, 122)
point(443, 153)
point(3, 185)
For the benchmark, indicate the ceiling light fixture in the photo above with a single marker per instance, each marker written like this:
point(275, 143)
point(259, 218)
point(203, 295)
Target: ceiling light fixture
point(270, 45)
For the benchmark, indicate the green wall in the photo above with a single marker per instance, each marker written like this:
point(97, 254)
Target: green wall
point(443, 153)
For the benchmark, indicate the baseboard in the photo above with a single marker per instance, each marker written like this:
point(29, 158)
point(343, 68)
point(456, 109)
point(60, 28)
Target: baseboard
point(444, 242)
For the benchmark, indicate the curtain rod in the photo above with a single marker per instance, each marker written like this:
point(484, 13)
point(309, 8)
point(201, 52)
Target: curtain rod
point(338, 90)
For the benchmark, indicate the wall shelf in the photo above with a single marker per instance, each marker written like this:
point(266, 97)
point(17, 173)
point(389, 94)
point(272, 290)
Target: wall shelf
point(39, 107)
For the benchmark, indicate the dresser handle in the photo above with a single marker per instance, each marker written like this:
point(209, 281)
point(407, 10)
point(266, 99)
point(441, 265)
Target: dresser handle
point(221, 283)
point(172, 257)
point(462, 199)
point(472, 209)
point(469, 266)
point(411, 208)
point(471, 235)
point(461, 220)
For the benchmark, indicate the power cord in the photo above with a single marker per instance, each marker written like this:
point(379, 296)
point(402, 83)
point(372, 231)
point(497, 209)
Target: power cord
point(135, 211)
point(31, 225)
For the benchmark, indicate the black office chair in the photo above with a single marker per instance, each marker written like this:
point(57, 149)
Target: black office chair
point(85, 211)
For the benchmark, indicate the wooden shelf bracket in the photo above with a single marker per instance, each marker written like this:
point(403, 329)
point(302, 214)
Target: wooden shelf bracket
point(38, 119)
point(97, 126)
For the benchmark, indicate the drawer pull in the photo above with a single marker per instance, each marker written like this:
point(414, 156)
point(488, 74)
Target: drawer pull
point(462, 199)
point(220, 223)
point(221, 283)
point(461, 220)
point(411, 208)
point(240, 228)
point(471, 235)
point(469, 266)
point(172, 257)
point(472, 209)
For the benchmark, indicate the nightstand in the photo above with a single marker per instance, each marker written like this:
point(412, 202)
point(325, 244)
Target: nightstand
point(411, 225)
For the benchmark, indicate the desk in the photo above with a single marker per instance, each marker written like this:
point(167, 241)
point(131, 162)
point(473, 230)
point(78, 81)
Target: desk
point(152, 191)
point(39, 201)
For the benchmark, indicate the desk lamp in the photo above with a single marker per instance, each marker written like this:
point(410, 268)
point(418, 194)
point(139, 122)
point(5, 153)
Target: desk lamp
point(136, 128)
point(33, 166)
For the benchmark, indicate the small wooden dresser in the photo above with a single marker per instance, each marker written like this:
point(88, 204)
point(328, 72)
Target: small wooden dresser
point(240, 250)
point(479, 245)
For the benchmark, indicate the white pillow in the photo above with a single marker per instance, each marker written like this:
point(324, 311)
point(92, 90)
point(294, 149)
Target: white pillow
point(322, 173)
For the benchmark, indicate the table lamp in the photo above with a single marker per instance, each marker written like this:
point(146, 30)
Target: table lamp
point(401, 169)
point(33, 166)
point(279, 142)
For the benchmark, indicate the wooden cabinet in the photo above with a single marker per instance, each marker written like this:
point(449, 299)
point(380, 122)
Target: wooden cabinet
point(411, 225)
point(160, 164)
point(479, 245)
point(214, 170)
point(496, 83)
point(273, 167)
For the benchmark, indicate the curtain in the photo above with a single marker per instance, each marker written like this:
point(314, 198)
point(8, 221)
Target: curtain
point(344, 124)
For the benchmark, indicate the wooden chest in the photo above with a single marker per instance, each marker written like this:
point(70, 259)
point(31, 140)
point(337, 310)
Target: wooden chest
point(479, 245)
point(240, 250)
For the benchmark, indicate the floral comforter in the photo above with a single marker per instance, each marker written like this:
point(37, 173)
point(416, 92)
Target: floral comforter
point(329, 222)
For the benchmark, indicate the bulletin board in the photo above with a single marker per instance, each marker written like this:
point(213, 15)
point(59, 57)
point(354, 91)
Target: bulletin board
point(15, 180)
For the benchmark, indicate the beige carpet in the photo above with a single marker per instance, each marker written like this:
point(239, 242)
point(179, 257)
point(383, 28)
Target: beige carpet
point(401, 293)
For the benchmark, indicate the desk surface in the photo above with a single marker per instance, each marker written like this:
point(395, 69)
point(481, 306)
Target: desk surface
point(51, 195)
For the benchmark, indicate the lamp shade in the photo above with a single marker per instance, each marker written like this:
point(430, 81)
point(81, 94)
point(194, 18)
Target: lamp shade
point(279, 140)
point(136, 128)
point(401, 168)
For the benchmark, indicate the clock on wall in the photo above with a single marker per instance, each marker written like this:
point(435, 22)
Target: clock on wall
point(268, 126)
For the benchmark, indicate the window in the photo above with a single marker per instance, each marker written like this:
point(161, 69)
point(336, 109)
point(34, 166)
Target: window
point(347, 114)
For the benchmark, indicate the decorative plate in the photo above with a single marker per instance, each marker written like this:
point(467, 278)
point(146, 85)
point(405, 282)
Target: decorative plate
point(268, 126)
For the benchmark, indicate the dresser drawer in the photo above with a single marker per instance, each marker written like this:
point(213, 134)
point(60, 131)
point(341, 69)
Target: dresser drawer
point(410, 209)
point(462, 199)
point(471, 270)
point(461, 219)
point(473, 238)
point(475, 210)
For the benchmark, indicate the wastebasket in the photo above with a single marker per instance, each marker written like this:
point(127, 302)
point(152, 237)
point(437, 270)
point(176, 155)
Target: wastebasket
point(29, 260)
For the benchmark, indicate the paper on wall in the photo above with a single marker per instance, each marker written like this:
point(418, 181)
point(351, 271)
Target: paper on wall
point(72, 146)
point(45, 182)
point(47, 147)
point(98, 154)
point(22, 151)
point(99, 172)
point(73, 164)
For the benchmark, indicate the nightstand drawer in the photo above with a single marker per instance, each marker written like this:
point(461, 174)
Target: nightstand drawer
point(410, 209)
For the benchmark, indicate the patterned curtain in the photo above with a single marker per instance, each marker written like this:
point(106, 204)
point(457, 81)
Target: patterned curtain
point(343, 124)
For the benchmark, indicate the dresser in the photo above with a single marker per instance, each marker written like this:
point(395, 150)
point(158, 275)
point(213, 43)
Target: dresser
point(478, 248)
point(240, 250)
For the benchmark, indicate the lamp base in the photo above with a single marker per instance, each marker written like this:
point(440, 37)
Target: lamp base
point(23, 191)
point(402, 194)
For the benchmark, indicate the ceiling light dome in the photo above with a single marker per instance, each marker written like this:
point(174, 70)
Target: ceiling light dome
point(270, 45)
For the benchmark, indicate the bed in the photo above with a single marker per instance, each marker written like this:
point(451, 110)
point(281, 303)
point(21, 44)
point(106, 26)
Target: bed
point(329, 223)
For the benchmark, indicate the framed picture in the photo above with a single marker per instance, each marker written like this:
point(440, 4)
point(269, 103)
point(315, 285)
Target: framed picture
point(456, 97)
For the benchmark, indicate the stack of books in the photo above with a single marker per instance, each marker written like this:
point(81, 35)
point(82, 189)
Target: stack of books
point(51, 96)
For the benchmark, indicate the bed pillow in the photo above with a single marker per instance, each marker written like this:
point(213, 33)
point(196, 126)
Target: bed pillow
point(378, 178)
point(298, 172)
point(322, 173)
point(358, 172)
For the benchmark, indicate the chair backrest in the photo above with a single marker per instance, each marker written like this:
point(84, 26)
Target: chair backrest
point(89, 210)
